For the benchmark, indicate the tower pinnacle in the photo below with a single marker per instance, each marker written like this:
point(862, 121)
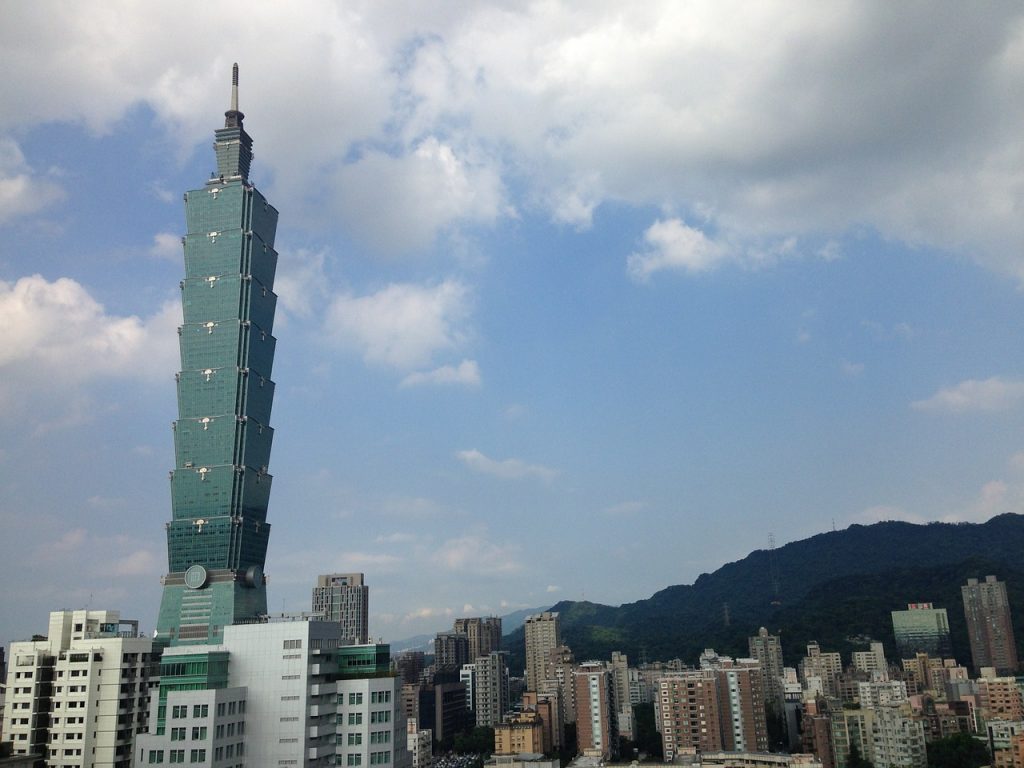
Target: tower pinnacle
point(233, 118)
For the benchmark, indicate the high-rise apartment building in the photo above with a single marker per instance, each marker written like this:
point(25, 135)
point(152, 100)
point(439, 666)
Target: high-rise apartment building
point(558, 681)
point(483, 633)
point(687, 714)
point(597, 733)
point(922, 628)
point(622, 677)
point(344, 598)
point(542, 637)
point(490, 689)
point(989, 628)
point(872, 661)
point(898, 738)
point(767, 650)
point(821, 669)
point(79, 697)
point(451, 651)
point(712, 709)
point(220, 486)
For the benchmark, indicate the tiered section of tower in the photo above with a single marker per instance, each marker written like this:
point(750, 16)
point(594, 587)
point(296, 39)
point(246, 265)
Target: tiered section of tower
point(220, 486)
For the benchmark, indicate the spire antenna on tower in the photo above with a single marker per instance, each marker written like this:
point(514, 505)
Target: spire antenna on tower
point(233, 118)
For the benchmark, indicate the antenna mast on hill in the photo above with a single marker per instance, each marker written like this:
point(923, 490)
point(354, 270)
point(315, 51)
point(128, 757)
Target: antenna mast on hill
point(773, 568)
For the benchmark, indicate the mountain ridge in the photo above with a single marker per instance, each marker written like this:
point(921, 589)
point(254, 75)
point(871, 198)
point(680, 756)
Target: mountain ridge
point(730, 603)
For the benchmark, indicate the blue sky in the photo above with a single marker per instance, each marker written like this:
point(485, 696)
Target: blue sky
point(573, 302)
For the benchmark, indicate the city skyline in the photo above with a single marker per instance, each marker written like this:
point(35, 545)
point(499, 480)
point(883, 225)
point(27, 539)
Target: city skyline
point(558, 288)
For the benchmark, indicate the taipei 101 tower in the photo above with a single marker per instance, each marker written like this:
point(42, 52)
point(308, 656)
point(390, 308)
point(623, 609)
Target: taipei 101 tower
point(220, 487)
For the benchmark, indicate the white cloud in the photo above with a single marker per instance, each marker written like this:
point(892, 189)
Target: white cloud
point(890, 118)
point(553, 588)
point(403, 325)
point(408, 507)
point(401, 203)
point(626, 508)
point(423, 613)
point(167, 246)
point(300, 283)
point(674, 245)
point(507, 469)
point(466, 373)
point(59, 338)
point(397, 538)
point(473, 553)
point(22, 191)
point(851, 369)
point(973, 395)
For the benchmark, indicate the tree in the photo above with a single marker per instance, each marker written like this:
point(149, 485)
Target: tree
point(647, 739)
point(856, 760)
point(961, 750)
point(479, 741)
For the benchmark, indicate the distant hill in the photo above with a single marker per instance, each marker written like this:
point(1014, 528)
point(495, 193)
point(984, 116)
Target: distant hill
point(831, 587)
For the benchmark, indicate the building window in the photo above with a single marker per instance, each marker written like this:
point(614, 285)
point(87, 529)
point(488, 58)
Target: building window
point(199, 733)
point(354, 760)
point(355, 738)
point(380, 716)
point(355, 698)
point(156, 756)
point(355, 718)
point(177, 734)
point(292, 644)
point(201, 710)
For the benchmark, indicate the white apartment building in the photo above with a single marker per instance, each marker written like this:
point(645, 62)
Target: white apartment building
point(371, 726)
point(882, 693)
point(898, 738)
point(420, 743)
point(278, 672)
point(289, 694)
point(79, 697)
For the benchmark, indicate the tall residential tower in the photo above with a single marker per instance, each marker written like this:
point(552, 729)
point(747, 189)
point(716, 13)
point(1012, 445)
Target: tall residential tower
point(542, 637)
point(220, 486)
point(989, 628)
point(345, 598)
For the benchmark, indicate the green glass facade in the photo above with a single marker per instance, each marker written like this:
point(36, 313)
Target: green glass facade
point(220, 485)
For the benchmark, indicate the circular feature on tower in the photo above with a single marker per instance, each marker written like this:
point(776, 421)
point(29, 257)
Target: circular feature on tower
point(195, 577)
point(254, 576)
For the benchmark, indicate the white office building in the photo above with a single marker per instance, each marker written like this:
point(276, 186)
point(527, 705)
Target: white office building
point(79, 697)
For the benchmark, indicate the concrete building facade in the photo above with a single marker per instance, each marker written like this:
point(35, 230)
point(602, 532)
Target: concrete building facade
point(596, 715)
point(542, 637)
point(344, 598)
point(483, 634)
point(922, 628)
point(79, 697)
point(989, 627)
point(767, 650)
point(490, 689)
